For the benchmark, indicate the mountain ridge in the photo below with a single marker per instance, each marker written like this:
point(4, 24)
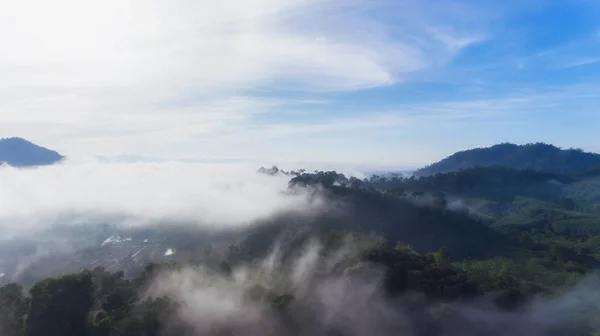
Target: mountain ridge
point(18, 152)
point(534, 156)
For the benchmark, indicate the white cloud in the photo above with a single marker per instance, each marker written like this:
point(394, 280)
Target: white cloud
point(582, 61)
point(143, 73)
point(207, 195)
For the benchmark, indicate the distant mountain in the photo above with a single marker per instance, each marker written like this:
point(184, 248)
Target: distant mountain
point(19, 152)
point(495, 183)
point(538, 156)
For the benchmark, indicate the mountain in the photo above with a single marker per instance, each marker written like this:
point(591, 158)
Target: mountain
point(393, 244)
point(495, 183)
point(538, 156)
point(19, 152)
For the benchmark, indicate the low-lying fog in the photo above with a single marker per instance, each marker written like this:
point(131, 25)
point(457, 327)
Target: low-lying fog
point(65, 207)
point(334, 298)
point(208, 194)
point(81, 215)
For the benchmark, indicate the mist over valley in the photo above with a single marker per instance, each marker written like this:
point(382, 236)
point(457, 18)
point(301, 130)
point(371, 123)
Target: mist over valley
point(207, 248)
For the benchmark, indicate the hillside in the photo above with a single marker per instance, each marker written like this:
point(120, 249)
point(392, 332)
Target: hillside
point(390, 242)
point(538, 156)
point(522, 199)
point(388, 216)
point(19, 152)
point(493, 183)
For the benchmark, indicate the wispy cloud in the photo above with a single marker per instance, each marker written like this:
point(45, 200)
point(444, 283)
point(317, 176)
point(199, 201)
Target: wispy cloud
point(74, 73)
point(257, 77)
point(583, 61)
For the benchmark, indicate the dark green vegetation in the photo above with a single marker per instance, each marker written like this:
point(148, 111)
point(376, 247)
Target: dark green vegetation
point(479, 251)
point(19, 152)
point(488, 216)
point(424, 294)
point(537, 156)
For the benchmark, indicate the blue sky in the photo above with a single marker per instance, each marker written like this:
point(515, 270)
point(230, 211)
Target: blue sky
point(385, 82)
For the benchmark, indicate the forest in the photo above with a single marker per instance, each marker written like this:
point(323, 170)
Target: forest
point(536, 156)
point(479, 251)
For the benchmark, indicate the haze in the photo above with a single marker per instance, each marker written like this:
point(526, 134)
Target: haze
point(206, 195)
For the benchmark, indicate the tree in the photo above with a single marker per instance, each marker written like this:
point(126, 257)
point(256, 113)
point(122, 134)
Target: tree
point(439, 200)
point(355, 183)
point(225, 268)
point(568, 204)
point(13, 307)
point(442, 258)
point(59, 307)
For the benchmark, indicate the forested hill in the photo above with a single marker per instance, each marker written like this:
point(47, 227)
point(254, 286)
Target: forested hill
point(538, 156)
point(493, 183)
point(19, 152)
point(390, 253)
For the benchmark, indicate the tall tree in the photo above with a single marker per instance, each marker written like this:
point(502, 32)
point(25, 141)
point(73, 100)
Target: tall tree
point(13, 306)
point(59, 307)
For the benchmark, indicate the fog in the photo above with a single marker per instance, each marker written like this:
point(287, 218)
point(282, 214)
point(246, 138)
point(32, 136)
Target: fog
point(291, 291)
point(208, 195)
point(335, 295)
point(57, 219)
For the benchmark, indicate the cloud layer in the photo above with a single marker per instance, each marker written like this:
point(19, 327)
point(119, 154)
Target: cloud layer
point(114, 77)
point(207, 195)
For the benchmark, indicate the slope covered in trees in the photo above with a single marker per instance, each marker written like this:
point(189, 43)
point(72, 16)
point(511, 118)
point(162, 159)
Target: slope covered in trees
point(19, 152)
point(373, 287)
point(538, 156)
point(391, 254)
point(524, 229)
point(493, 183)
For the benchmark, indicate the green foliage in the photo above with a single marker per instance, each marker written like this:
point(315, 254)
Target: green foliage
point(531, 214)
point(538, 156)
point(586, 193)
point(101, 304)
point(529, 237)
point(60, 306)
point(492, 183)
point(13, 307)
point(442, 258)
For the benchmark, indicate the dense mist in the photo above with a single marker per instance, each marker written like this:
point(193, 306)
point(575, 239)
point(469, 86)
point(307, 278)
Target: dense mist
point(209, 195)
point(51, 214)
point(320, 292)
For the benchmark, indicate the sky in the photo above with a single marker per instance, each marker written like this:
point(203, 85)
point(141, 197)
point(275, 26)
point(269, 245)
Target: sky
point(388, 82)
